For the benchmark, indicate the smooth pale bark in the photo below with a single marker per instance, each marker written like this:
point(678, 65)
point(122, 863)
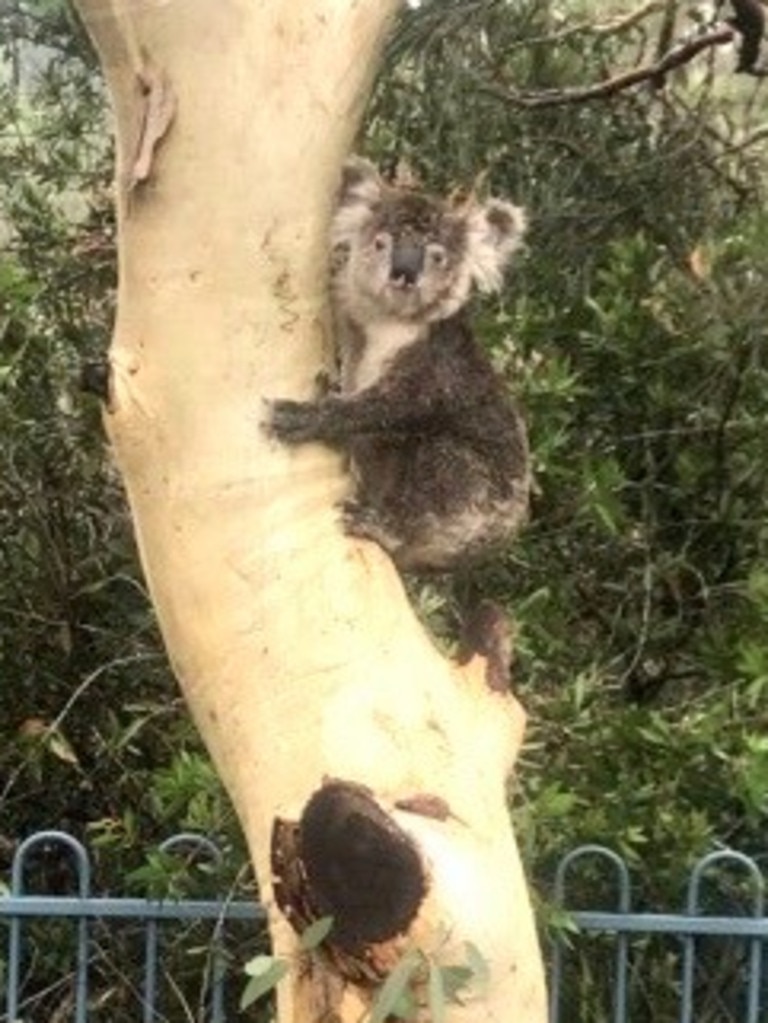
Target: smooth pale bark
point(296, 648)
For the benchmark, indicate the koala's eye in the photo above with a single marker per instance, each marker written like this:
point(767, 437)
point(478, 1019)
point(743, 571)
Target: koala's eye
point(438, 257)
point(381, 242)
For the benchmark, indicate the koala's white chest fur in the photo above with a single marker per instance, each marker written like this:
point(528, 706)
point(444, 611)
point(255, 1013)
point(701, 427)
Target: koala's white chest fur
point(383, 339)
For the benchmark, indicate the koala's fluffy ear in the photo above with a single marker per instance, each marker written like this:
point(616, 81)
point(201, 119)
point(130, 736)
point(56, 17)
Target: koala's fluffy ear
point(360, 182)
point(360, 190)
point(495, 230)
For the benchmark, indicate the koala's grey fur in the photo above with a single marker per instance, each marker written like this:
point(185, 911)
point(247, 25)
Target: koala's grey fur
point(438, 449)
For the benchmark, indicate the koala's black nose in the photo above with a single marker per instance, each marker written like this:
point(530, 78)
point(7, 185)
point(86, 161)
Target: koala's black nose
point(407, 262)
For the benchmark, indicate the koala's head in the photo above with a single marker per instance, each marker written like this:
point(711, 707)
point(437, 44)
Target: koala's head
point(401, 254)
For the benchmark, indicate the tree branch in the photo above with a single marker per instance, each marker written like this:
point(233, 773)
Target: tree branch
point(679, 55)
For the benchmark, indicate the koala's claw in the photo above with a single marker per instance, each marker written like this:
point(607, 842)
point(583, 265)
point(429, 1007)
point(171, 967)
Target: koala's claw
point(357, 518)
point(326, 384)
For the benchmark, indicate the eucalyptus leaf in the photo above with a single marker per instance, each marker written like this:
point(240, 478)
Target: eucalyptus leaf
point(389, 1000)
point(316, 933)
point(480, 967)
point(266, 973)
point(455, 979)
point(436, 997)
point(259, 964)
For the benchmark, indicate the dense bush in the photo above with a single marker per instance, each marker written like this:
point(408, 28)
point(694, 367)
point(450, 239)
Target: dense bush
point(634, 331)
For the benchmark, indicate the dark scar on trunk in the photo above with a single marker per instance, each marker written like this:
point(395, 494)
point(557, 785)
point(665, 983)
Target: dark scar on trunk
point(348, 859)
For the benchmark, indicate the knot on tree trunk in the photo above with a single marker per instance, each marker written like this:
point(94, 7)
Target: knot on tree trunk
point(349, 860)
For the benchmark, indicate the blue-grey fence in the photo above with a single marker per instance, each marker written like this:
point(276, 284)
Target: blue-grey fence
point(611, 965)
point(27, 1000)
point(705, 964)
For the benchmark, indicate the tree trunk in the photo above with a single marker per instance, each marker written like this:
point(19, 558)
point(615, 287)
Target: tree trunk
point(295, 647)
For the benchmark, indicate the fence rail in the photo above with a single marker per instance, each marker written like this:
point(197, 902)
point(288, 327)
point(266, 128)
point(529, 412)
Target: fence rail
point(616, 965)
point(73, 998)
point(736, 994)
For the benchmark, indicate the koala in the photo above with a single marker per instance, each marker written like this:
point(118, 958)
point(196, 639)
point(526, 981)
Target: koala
point(438, 450)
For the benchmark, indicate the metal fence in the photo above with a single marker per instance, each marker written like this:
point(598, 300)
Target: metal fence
point(66, 934)
point(705, 964)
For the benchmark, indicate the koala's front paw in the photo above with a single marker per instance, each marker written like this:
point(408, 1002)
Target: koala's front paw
point(326, 384)
point(292, 422)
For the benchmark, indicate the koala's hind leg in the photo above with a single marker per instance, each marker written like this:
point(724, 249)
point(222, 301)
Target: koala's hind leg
point(364, 522)
point(414, 546)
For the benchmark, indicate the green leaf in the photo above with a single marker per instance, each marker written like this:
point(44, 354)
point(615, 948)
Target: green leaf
point(454, 980)
point(562, 922)
point(405, 1007)
point(481, 970)
point(394, 997)
point(436, 994)
point(316, 933)
point(266, 972)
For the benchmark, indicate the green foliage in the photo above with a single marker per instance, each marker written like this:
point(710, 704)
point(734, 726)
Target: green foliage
point(660, 784)
point(316, 933)
point(633, 331)
point(395, 997)
point(265, 974)
point(657, 464)
point(417, 980)
point(266, 971)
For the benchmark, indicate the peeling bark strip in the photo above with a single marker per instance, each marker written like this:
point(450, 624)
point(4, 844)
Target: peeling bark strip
point(425, 804)
point(157, 114)
point(289, 881)
point(486, 631)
